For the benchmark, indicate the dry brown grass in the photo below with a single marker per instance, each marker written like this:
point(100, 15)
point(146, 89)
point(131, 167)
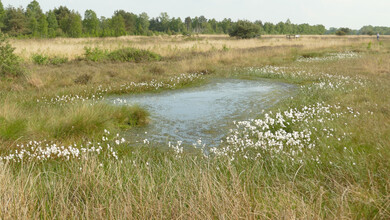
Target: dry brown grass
point(171, 45)
point(180, 56)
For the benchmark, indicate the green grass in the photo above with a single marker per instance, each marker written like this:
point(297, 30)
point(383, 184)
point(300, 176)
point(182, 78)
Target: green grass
point(70, 122)
point(12, 129)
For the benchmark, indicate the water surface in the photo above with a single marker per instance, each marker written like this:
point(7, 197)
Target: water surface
point(205, 112)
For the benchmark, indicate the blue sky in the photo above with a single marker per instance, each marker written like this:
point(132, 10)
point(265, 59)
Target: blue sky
point(331, 13)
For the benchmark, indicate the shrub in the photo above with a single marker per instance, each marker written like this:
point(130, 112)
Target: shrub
point(121, 55)
point(225, 48)
point(343, 31)
point(9, 62)
point(369, 45)
point(133, 55)
point(245, 30)
point(95, 54)
point(58, 60)
point(41, 59)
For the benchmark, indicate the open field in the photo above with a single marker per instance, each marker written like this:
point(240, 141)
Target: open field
point(321, 154)
point(171, 46)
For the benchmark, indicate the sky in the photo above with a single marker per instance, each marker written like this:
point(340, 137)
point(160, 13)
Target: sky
point(331, 13)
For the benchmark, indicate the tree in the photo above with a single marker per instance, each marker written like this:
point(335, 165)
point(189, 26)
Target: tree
point(9, 62)
point(343, 31)
point(176, 25)
point(68, 21)
point(280, 28)
point(15, 21)
point(117, 25)
point(165, 20)
point(34, 13)
point(33, 26)
point(320, 29)
point(143, 23)
point(288, 27)
point(155, 25)
point(188, 22)
point(367, 30)
point(43, 26)
point(52, 24)
point(130, 20)
point(202, 24)
point(226, 25)
point(91, 23)
point(33, 9)
point(269, 28)
point(213, 25)
point(105, 27)
point(244, 29)
point(196, 25)
point(74, 25)
point(260, 24)
point(2, 15)
point(62, 15)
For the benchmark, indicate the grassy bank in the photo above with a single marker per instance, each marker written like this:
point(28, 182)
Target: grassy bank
point(322, 153)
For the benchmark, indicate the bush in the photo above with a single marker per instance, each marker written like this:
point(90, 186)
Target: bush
point(58, 60)
point(343, 31)
point(95, 54)
point(369, 45)
point(40, 59)
point(121, 55)
point(9, 62)
point(133, 55)
point(244, 30)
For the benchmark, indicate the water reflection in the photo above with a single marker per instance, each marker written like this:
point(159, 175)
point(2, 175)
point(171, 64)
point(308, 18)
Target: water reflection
point(204, 112)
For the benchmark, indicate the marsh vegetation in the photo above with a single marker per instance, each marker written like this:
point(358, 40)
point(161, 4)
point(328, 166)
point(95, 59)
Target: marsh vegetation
point(322, 152)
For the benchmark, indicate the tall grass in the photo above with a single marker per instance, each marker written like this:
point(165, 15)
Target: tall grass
point(80, 120)
point(168, 46)
point(349, 181)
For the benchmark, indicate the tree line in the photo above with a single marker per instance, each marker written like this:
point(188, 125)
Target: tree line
point(63, 22)
point(365, 30)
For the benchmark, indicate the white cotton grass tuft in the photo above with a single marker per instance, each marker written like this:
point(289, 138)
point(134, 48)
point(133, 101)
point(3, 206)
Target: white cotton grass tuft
point(50, 150)
point(99, 92)
point(278, 136)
